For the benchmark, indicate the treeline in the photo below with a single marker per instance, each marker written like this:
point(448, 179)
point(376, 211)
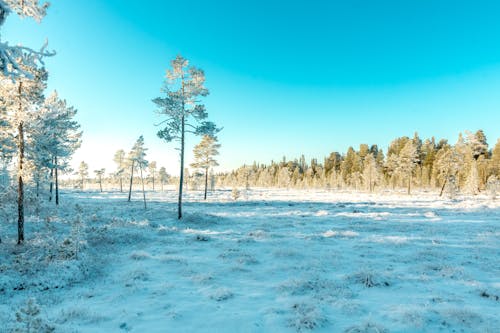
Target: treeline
point(468, 166)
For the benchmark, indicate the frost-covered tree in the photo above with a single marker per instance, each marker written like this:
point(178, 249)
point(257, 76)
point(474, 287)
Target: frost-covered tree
point(447, 165)
point(15, 59)
point(164, 177)
point(204, 156)
point(182, 109)
point(408, 158)
point(495, 160)
point(370, 172)
point(120, 160)
point(137, 160)
point(83, 172)
point(152, 171)
point(60, 134)
point(21, 99)
point(476, 142)
point(99, 173)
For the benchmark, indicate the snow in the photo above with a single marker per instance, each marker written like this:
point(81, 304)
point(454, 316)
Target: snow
point(273, 261)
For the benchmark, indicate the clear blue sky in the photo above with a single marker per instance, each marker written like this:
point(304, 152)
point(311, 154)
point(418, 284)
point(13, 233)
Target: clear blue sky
point(286, 77)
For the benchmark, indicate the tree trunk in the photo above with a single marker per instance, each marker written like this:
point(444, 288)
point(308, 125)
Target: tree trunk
point(181, 178)
point(131, 178)
point(51, 183)
point(153, 181)
point(121, 185)
point(143, 192)
point(442, 187)
point(57, 181)
point(100, 183)
point(409, 184)
point(20, 188)
point(206, 183)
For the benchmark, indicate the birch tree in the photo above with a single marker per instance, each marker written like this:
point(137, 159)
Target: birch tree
point(182, 110)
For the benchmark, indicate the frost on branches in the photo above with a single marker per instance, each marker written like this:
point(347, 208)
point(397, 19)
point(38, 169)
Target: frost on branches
point(182, 110)
point(12, 58)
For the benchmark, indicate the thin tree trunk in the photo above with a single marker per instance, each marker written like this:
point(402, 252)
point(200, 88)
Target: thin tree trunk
point(20, 188)
point(51, 183)
point(143, 192)
point(181, 178)
point(131, 178)
point(442, 187)
point(121, 186)
point(100, 183)
point(206, 183)
point(409, 184)
point(153, 181)
point(57, 181)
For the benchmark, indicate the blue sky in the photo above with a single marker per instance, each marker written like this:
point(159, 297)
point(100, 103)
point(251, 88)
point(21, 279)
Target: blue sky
point(286, 77)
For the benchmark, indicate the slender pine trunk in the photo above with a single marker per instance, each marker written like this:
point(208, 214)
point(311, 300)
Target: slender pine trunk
point(51, 183)
point(442, 187)
point(409, 184)
point(121, 185)
point(143, 192)
point(100, 184)
point(131, 178)
point(206, 183)
point(153, 181)
point(57, 181)
point(181, 178)
point(20, 187)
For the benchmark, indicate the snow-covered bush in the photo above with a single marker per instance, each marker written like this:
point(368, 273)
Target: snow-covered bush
point(29, 321)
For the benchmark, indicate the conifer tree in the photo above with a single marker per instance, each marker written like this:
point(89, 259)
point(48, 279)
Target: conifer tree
point(408, 158)
point(83, 172)
point(163, 177)
point(152, 171)
point(183, 112)
point(137, 160)
point(119, 159)
point(204, 155)
point(495, 160)
point(99, 173)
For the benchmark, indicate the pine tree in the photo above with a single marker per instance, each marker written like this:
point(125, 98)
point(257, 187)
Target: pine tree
point(495, 160)
point(83, 172)
point(370, 172)
point(119, 159)
point(15, 59)
point(99, 173)
point(21, 100)
point(60, 134)
point(204, 155)
point(152, 171)
point(408, 158)
point(137, 161)
point(164, 177)
point(184, 86)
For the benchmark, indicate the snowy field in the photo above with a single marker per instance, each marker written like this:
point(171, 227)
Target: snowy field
point(272, 261)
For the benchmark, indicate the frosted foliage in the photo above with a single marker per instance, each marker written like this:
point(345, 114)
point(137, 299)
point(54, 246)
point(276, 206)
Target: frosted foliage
point(12, 58)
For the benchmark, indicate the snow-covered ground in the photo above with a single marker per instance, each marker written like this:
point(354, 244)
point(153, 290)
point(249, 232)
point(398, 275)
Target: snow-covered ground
point(272, 261)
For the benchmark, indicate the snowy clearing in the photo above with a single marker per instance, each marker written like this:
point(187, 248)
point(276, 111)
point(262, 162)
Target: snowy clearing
point(273, 261)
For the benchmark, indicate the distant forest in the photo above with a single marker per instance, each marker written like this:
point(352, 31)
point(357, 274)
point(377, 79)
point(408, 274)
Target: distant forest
point(468, 166)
